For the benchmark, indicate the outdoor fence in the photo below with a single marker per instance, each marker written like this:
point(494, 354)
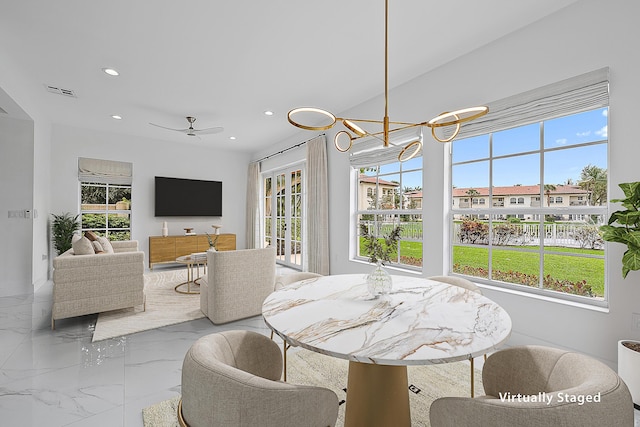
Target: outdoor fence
point(573, 235)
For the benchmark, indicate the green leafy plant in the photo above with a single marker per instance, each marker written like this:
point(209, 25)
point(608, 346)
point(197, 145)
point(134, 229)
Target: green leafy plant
point(212, 242)
point(580, 287)
point(62, 229)
point(628, 230)
point(380, 249)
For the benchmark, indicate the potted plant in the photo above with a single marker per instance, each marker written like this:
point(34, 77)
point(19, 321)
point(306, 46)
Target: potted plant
point(627, 232)
point(212, 242)
point(380, 251)
point(629, 367)
point(62, 229)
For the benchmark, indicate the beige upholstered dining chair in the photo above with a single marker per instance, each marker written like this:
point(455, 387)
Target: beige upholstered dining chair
point(231, 379)
point(282, 281)
point(571, 389)
point(462, 283)
point(236, 283)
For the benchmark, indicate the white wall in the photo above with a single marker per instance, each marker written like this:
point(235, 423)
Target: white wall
point(16, 193)
point(583, 37)
point(29, 189)
point(150, 158)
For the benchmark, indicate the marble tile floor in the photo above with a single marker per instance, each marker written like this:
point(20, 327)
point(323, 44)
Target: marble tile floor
point(59, 378)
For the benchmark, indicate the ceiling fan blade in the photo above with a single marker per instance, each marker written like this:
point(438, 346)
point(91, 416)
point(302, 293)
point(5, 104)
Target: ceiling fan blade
point(208, 131)
point(164, 127)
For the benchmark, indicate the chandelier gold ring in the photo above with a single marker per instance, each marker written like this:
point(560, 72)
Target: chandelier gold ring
point(459, 116)
point(320, 111)
point(336, 141)
point(417, 145)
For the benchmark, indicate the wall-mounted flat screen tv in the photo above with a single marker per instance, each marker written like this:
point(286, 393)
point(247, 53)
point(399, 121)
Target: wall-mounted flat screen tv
point(188, 197)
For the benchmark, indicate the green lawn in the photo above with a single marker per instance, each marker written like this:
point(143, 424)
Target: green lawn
point(561, 267)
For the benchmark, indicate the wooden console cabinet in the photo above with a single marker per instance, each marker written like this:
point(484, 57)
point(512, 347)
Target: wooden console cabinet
point(163, 250)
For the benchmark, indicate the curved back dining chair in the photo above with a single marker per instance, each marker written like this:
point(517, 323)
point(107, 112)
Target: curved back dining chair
point(568, 389)
point(231, 378)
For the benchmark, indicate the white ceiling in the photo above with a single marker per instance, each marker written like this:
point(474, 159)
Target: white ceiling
point(226, 62)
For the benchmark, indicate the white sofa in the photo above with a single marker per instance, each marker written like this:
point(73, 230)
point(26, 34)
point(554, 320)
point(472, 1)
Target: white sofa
point(86, 284)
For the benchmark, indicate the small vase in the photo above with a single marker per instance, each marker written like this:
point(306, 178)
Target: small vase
point(165, 229)
point(378, 281)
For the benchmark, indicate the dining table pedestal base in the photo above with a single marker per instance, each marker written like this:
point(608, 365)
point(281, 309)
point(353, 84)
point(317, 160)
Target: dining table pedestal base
point(377, 396)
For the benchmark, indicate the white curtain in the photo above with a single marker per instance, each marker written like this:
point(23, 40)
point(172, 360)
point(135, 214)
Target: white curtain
point(318, 206)
point(253, 207)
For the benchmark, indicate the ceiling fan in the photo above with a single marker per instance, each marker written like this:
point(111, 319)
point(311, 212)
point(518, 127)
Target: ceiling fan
point(190, 131)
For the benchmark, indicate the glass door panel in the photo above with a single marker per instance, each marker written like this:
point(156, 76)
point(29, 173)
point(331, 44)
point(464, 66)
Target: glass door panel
point(284, 215)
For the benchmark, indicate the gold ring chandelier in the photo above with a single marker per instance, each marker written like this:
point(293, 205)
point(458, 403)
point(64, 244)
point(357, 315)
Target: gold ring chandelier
point(343, 140)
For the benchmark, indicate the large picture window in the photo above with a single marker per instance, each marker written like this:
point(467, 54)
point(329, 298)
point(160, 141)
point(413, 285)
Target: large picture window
point(545, 190)
point(105, 197)
point(390, 195)
point(106, 210)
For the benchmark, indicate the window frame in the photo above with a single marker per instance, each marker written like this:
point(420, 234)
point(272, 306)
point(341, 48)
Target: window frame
point(395, 213)
point(106, 211)
point(537, 212)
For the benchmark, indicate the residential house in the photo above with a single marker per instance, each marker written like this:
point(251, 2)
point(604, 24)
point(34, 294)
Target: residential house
point(380, 189)
point(516, 198)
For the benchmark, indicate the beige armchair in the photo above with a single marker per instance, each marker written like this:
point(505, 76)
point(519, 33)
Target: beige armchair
point(570, 389)
point(87, 284)
point(231, 379)
point(236, 283)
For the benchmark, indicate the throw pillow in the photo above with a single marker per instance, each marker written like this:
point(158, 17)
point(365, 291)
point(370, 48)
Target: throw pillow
point(82, 246)
point(91, 235)
point(106, 244)
point(97, 247)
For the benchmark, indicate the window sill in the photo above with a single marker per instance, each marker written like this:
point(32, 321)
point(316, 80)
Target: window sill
point(599, 306)
point(391, 268)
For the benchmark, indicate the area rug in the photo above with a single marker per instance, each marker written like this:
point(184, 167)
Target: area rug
point(426, 383)
point(164, 306)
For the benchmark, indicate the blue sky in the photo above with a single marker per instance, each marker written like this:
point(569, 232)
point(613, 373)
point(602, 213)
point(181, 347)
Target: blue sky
point(563, 133)
point(559, 166)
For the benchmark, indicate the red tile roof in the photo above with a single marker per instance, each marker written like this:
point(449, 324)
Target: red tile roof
point(516, 190)
point(372, 180)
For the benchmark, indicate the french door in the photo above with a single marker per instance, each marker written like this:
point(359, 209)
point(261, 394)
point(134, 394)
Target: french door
point(284, 214)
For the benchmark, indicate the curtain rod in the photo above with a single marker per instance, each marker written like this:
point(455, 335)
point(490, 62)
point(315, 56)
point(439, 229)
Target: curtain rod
point(290, 148)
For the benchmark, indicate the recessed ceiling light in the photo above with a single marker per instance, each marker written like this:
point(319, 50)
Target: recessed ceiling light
point(232, 137)
point(111, 71)
point(268, 113)
point(117, 117)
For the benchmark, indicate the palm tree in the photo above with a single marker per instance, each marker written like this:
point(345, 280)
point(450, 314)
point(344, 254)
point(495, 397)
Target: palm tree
point(472, 192)
point(594, 180)
point(548, 188)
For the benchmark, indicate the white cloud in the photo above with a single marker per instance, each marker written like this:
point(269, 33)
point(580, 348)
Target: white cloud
point(583, 134)
point(604, 133)
point(561, 141)
point(605, 112)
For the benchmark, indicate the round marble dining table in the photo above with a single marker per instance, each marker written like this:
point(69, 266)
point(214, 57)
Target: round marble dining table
point(419, 322)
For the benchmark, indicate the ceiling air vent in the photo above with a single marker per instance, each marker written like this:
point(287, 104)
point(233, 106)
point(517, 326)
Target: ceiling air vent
point(60, 91)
